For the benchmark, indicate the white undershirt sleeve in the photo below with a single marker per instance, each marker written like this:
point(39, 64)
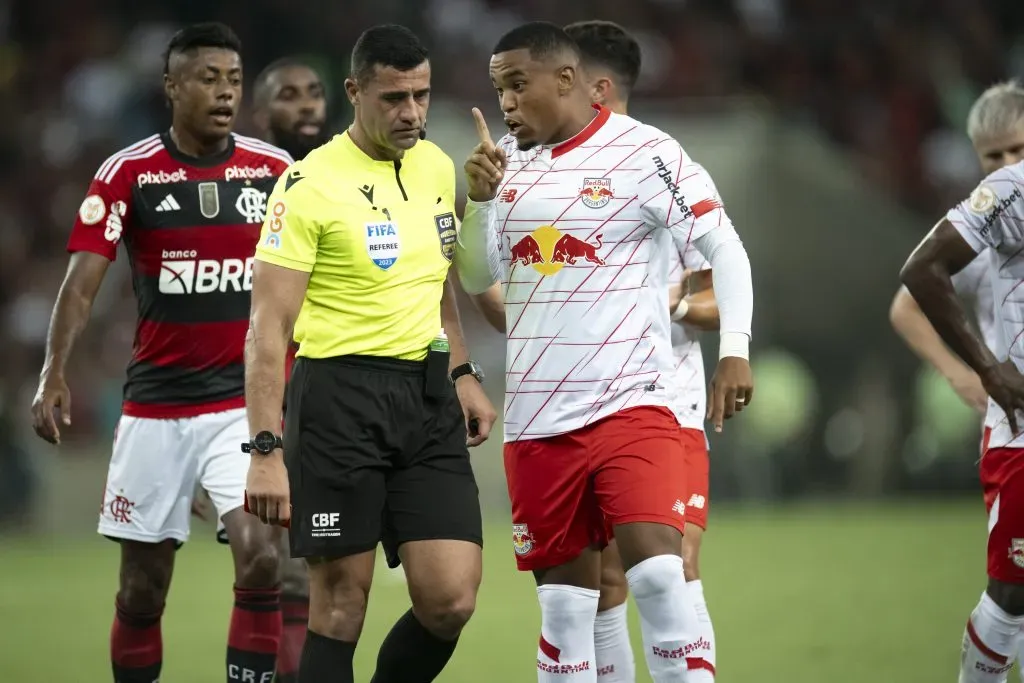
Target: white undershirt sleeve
point(477, 259)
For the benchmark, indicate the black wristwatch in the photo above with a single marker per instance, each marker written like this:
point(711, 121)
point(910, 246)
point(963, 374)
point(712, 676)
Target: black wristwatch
point(470, 368)
point(263, 443)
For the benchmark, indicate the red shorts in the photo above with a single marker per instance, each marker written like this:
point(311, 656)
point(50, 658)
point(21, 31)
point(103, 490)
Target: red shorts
point(1002, 481)
point(628, 467)
point(695, 448)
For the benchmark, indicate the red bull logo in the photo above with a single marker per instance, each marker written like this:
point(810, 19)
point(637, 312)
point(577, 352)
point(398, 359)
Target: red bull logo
point(547, 250)
point(596, 192)
point(1017, 551)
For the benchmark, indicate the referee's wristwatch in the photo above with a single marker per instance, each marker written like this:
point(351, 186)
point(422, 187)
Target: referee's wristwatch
point(263, 443)
point(470, 368)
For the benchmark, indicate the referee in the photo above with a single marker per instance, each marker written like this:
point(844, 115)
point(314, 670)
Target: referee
point(354, 257)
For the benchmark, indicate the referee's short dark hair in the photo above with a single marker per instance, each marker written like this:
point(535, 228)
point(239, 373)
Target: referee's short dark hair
point(206, 34)
point(606, 44)
point(543, 39)
point(386, 45)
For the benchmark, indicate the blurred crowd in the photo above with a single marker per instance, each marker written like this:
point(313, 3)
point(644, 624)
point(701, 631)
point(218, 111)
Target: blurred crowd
point(888, 80)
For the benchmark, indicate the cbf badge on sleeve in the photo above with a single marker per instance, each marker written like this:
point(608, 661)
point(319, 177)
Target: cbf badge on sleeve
point(446, 232)
point(383, 244)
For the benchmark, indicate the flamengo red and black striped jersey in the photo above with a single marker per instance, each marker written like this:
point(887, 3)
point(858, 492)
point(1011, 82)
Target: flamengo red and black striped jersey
point(190, 228)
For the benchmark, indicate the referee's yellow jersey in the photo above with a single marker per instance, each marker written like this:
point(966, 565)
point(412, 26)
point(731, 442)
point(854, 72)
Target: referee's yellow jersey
point(376, 237)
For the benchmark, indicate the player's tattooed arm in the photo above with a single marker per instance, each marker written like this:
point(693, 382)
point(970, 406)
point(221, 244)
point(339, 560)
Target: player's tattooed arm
point(928, 274)
point(71, 311)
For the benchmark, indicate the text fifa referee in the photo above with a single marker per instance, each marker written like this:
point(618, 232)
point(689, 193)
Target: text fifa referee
point(354, 255)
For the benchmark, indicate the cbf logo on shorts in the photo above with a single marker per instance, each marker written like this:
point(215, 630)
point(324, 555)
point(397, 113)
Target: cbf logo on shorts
point(522, 539)
point(326, 525)
point(383, 244)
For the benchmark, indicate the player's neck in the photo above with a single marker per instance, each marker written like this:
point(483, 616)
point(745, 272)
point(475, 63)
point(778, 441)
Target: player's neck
point(616, 106)
point(573, 126)
point(192, 146)
point(361, 140)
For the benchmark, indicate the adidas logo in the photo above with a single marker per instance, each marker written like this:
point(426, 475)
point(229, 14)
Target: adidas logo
point(168, 204)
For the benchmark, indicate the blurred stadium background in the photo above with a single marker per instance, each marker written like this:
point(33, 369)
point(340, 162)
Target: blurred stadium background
point(847, 530)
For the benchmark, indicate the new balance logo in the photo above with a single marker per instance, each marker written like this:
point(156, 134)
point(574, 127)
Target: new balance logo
point(168, 204)
point(679, 507)
point(696, 501)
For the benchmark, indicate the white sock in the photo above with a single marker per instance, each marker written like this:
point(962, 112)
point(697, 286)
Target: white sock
point(613, 651)
point(566, 650)
point(667, 619)
point(705, 632)
point(990, 643)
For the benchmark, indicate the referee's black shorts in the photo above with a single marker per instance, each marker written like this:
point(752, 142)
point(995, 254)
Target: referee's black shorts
point(371, 459)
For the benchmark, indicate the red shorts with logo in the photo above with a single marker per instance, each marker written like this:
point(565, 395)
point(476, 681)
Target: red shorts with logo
point(1002, 481)
point(628, 467)
point(695, 448)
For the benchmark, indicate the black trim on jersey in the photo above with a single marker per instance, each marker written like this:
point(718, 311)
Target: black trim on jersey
point(184, 205)
point(189, 307)
point(199, 162)
point(398, 177)
point(175, 385)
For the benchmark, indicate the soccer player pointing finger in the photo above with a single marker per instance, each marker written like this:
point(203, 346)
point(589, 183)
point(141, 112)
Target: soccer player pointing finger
point(578, 226)
point(354, 256)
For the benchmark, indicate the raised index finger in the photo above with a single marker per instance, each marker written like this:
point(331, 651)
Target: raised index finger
point(481, 127)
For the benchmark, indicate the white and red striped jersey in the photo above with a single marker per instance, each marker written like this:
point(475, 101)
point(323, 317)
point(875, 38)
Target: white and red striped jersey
point(993, 218)
point(686, 347)
point(585, 229)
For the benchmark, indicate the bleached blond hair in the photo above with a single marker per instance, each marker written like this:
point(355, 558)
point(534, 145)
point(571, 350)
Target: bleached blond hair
point(998, 111)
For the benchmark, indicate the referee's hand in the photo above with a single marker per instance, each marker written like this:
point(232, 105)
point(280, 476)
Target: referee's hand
point(476, 408)
point(486, 164)
point(266, 489)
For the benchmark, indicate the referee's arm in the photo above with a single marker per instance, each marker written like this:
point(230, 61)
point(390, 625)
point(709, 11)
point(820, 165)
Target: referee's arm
point(277, 294)
point(285, 256)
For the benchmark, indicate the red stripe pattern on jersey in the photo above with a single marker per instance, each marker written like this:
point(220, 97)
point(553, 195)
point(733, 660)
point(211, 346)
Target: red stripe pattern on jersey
point(189, 227)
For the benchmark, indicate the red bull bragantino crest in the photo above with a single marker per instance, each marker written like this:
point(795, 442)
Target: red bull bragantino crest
point(596, 192)
point(547, 249)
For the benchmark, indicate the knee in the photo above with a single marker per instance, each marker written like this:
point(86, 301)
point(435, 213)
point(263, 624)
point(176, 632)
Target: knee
point(143, 588)
point(338, 610)
point(614, 588)
point(1008, 596)
point(446, 612)
point(258, 565)
point(657, 576)
point(294, 577)
point(691, 561)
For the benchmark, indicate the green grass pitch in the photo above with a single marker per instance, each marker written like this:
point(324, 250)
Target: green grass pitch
point(812, 594)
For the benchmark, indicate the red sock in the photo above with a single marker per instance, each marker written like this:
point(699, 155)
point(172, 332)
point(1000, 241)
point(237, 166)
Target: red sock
point(136, 647)
point(254, 636)
point(295, 619)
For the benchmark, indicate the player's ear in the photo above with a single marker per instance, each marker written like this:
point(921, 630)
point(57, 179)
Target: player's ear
point(601, 90)
point(170, 88)
point(567, 78)
point(352, 90)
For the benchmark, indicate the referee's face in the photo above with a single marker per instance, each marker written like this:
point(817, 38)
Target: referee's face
point(391, 105)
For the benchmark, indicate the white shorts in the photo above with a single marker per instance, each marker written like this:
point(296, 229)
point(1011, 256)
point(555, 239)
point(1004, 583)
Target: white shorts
point(156, 465)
